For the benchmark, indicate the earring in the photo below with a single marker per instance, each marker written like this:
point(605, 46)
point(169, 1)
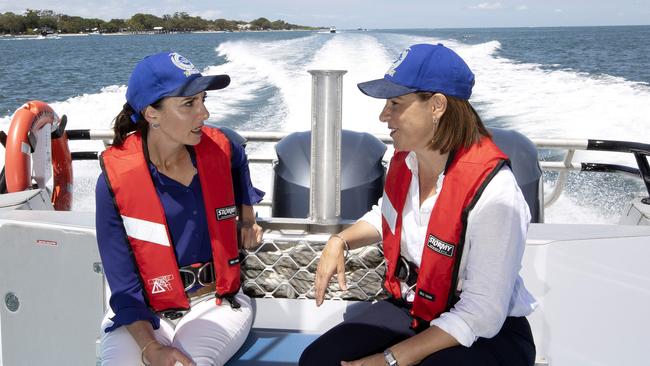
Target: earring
point(155, 125)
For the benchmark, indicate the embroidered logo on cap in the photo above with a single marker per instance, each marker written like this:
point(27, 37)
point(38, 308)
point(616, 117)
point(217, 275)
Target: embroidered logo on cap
point(440, 246)
point(226, 212)
point(400, 59)
point(183, 64)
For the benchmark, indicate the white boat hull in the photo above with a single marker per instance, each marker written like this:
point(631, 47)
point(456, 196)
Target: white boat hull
point(592, 283)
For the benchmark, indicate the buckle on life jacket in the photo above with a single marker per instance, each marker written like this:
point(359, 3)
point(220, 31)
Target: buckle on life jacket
point(172, 314)
point(234, 304)
point(197, 273)
point(406, 272)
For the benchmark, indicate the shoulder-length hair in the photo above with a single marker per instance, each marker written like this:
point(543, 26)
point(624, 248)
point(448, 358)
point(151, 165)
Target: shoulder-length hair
point(460, 125)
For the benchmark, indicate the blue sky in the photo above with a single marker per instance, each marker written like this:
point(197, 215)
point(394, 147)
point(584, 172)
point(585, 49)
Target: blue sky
point(368, 13)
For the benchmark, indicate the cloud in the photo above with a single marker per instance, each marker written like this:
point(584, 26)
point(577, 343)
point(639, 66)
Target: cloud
point(522, 7)
point(486, 6)
point(559, 10)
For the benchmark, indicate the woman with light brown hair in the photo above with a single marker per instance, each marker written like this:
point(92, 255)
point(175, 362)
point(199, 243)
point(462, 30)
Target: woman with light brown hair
point(453, 224)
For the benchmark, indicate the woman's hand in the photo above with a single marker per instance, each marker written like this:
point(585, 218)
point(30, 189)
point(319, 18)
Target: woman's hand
point(373, 360)
point(331, 260)
point(250, 234)
point(159, 355)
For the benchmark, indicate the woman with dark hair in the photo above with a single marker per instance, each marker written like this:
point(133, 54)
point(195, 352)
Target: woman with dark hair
point(167, 221)
point(453, 224)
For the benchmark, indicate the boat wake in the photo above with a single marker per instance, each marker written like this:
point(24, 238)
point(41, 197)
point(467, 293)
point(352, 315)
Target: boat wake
point(270, 91)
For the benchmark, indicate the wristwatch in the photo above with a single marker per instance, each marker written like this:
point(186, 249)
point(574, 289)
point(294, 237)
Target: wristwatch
point(390, 358)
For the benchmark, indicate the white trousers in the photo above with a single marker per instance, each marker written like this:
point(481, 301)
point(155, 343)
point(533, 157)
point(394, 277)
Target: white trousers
point(208, 334)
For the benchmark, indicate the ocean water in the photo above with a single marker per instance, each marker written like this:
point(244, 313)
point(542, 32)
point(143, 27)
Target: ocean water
point(582, 82)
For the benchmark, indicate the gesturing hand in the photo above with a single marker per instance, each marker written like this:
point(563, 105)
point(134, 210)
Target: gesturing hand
point(331, 260)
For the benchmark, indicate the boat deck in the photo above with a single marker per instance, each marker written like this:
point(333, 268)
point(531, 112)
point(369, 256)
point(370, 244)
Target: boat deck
point(576, 272)
point(268, 347)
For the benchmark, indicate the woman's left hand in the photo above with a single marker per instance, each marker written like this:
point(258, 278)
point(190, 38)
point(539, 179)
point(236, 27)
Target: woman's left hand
point(373, 360)
point(251, 235)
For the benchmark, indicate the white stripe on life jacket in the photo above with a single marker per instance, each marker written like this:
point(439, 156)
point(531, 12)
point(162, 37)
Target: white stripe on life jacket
point(146, 230)
point(389, 212)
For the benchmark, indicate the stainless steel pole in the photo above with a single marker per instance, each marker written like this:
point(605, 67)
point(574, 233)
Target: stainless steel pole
point(326, 108)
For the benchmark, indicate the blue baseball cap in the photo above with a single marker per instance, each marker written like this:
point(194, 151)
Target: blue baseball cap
point(423, 67)
point(167, 74)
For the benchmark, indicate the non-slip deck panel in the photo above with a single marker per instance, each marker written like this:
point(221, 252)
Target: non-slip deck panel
point(271, 348)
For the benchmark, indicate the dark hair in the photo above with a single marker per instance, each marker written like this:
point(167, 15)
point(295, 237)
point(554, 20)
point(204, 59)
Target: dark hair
point(459, 126)
point(123, 125)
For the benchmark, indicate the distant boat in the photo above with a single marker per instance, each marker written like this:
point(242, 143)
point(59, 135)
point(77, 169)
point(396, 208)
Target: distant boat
point(332, 29)
point(46, 32)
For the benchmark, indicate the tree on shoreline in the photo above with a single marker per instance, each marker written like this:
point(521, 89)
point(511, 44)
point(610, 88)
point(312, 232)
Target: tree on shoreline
point(37, 21)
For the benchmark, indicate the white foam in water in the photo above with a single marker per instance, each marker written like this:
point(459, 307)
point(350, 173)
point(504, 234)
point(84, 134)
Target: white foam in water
point(561, 104)
point(564, 104)
point(364, 59)
point(284, 65)
point(566, 211)
point(256, 66)
point(91, 111)
point(523, 96)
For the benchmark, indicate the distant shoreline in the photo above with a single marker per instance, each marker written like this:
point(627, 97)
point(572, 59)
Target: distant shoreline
point(306, 29)
point(47, 22)
point(52, 35)
point(311, 29)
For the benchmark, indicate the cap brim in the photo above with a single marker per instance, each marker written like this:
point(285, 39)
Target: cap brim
point(201, 84)
point(384, 89)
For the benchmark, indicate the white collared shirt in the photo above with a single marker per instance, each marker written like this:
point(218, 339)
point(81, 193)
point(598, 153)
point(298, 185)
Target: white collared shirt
point(489, 269)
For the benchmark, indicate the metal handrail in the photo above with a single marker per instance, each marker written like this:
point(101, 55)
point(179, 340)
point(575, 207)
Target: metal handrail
point(570, 146)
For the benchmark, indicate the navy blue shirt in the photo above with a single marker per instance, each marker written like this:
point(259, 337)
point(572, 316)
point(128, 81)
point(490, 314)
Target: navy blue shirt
point(185, 214)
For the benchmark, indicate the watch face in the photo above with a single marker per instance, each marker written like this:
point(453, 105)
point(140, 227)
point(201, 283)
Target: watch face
point(389, 358)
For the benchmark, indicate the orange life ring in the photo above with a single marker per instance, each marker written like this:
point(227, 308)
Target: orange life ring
point(18, 170)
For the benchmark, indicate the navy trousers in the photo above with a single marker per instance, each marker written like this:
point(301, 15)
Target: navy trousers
point(384, 324)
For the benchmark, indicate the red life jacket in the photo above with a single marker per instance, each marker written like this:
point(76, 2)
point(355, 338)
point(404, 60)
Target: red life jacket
point(466, 177)
point(144, 220)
